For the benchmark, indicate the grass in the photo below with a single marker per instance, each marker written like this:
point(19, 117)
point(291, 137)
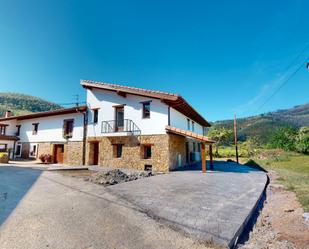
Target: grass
point(293, 171)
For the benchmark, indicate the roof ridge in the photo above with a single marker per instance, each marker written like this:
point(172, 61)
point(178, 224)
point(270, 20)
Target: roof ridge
point(128, 87)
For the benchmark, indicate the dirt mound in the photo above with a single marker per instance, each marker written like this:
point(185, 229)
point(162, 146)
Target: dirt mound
point(116, 176)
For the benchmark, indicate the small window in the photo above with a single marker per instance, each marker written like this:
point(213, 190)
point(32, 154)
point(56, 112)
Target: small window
point(95, 115)
point(18, 130)
point(147, 151)
point(194, 147)
point(3, 147)
point(68, 126)
point(188, 124)
point(148, 167)
point(146, 110)
point(35, 128)
point(199, 147)
point(2, 129)
point(192, 126)
point(118, 150)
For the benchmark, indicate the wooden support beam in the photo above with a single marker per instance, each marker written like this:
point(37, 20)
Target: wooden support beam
point(203, 158)
point(211, 158)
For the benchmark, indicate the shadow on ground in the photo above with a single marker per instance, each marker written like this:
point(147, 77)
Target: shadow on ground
point(15, 182)
point(220, 166)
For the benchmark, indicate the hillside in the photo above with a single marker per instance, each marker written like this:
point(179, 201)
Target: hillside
point(22, 104)
point(263, 125)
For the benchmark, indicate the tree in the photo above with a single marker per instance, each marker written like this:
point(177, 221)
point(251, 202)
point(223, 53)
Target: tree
point(302, 140)
point(222, 136)
point(284, 138)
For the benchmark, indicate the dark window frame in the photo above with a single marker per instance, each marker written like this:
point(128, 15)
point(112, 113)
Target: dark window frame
point(146, 111)
point(118, 150)
point(18, 130)
point(35, 128)
point(188, 124)
point(147, 151)
point(68, 128)
point(95, 115)
point(3, 129)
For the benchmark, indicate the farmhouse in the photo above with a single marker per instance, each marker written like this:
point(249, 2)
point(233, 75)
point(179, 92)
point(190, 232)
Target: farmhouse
point(120, 126)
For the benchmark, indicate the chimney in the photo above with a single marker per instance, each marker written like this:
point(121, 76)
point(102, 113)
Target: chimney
point(8, 114)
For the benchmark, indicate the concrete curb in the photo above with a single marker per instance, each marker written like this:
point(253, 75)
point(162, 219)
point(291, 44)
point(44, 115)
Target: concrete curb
point(249, 222)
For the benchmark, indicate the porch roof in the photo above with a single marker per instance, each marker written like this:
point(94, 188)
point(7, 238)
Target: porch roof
point(190, 134)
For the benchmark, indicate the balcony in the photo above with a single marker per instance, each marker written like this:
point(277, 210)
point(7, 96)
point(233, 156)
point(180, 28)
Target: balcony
point(123, 126)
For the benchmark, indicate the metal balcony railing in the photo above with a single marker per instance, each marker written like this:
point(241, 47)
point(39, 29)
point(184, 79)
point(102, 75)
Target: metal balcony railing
point(125, 125)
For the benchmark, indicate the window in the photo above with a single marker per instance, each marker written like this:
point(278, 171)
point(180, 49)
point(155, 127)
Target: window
point(194, 147)
point(146, 109)
point(35, 128)
point(199, 147)
point(192, 126)
point(118, 150)
point(188, 123)
point(95, 115)
point(3, 129)
point(18, 130)
point(68, 126)
point(147, 151)
point(3, 147)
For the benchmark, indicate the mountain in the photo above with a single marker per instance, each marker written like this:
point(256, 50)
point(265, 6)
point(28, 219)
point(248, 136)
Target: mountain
point(263, 125)
point(22, 104)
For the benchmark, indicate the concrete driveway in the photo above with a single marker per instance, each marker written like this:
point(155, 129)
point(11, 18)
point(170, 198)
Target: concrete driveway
point(42, 209)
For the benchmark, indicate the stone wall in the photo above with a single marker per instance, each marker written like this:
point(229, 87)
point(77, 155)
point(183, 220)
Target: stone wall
point(73, 153)
point(132, 152)
point(177, 151)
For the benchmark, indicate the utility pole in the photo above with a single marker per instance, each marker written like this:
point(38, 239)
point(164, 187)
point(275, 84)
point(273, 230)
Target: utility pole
point(235, 138)
point(77, 99)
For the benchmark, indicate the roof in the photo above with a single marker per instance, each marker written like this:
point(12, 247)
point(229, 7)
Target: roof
point(173, 100)
point(47, 114)
point(5, 137)
point(191, 134)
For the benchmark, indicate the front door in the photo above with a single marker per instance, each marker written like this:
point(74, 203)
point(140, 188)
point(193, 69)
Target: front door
point(95, 153)
point(18, 150)
point(119, 118)
point(58, 153)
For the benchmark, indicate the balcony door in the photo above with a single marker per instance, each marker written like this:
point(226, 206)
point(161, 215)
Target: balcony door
point(119, 126)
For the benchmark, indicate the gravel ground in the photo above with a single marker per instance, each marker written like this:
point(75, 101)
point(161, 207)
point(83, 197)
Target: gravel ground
point(280, 224)
point(116, 176)
point(109, 176)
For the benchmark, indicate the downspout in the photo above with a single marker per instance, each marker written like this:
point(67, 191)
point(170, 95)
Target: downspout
point(85, 135)
point(85, 115)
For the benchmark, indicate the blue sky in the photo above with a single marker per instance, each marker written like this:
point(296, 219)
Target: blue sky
point(224, 57)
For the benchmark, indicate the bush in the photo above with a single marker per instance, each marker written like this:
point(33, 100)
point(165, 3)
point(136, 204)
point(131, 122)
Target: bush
point(46, 158)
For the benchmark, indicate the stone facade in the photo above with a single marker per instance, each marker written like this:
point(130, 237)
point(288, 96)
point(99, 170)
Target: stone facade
point(132, 152)
point(168, 151)
point(73, 151)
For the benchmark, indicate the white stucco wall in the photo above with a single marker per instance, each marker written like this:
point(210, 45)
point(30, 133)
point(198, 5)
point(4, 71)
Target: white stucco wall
point(179, 120)
point(51, 128)
point(105, 100)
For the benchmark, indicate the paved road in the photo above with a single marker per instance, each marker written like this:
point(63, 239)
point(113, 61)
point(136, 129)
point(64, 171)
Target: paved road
point(209, 206)
point(40, 209)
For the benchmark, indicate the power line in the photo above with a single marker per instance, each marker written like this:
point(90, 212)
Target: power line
point(282, 85)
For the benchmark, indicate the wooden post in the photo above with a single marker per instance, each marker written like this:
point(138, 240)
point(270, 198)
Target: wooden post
point(235, 138)
point(203, 158)
point(210, 156)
